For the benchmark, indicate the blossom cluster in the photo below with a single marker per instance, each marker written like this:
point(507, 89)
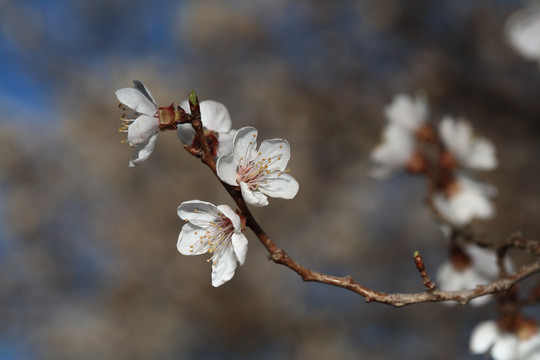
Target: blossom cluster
point(513, 336)
point(407, 138)
point(257, 172)
point(446, 154)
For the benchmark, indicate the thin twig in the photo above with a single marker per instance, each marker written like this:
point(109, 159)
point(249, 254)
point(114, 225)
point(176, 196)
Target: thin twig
point(428, 283)
point(279, 256)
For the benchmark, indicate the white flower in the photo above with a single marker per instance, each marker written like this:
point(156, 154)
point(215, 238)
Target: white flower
point(407, 112)
point(524, 344)
point(213, 229)
point(405, 117)
point(215, 118)
point(393, 153)
point(259, 173)
point(465, 200)
point(468, 267)
point(522, 32)
point(144, 123)
point(469, 151)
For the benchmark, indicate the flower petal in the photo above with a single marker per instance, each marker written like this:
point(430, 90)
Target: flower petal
point(505, 347)
point(229, 213)
point(215, 116)
point(224, 266)
point(189, 240)
point(185, 133)
point(142, 129)
point(240, 245)
point(144, 90)
point(255, 198)
point(467, 205)
point(448, 277)
point(484, 261)
point(470, 151)
point(143, 151)
point(529, 349)
point(226, 168)
point(226, 142)
point(522, 29)
point(483, 337)
point(283, 186)
point(406, 112)
point(482, 155)
point(394, 152)
point(278, 150)
point(200, 213)
point(245, 144)
point(136, 100)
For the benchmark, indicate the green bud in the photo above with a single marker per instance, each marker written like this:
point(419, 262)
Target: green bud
point(193, 98)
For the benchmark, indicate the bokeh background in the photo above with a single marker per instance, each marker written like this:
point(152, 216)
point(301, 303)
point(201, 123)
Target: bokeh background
point(88, 259)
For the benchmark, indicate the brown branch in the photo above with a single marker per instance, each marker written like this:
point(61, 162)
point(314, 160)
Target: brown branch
point(279, 256)
point(428, 283)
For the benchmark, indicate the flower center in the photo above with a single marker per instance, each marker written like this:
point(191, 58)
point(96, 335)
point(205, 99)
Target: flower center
point(214, 237)
point(258, 171)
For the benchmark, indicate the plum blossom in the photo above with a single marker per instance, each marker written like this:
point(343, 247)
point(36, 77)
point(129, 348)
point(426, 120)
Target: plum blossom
point(468, 267)
point(259, 173)
point(406, 119)
point(145, 121)
point(464, 200)
point(393, 153)
point(469, 151)
point(406, 112)
point(520, 343)
point(217, 123)
point(216, 230)
point(522, 29)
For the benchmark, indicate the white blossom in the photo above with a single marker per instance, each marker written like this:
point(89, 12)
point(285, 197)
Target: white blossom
point(405, 116)
point(144, 121)
point(215, 117)
point(464, 201)
point(466, 269)
point(393, 153)
point(470, 151)
point(524, 344)
point(216, 230)
point(259, 173)
point(523, 32)
point(407, 112)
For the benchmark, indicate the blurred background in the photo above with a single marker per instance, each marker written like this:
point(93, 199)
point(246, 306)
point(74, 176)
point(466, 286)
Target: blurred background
point(88, 259)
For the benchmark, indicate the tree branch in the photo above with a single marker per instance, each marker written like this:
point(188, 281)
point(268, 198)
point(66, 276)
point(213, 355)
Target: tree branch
point(279, 256)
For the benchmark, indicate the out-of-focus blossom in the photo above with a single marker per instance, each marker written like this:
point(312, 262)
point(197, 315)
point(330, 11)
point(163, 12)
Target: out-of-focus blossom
point(468, 150)
point(216, 230)
point(520, 343)
point(393, 153)
point(406, 117)
point(464, 200)
point(523, 32)
point(259, 173)
point(468, 267)
point(407, 112)
point(217, 123)
point(144, 122)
